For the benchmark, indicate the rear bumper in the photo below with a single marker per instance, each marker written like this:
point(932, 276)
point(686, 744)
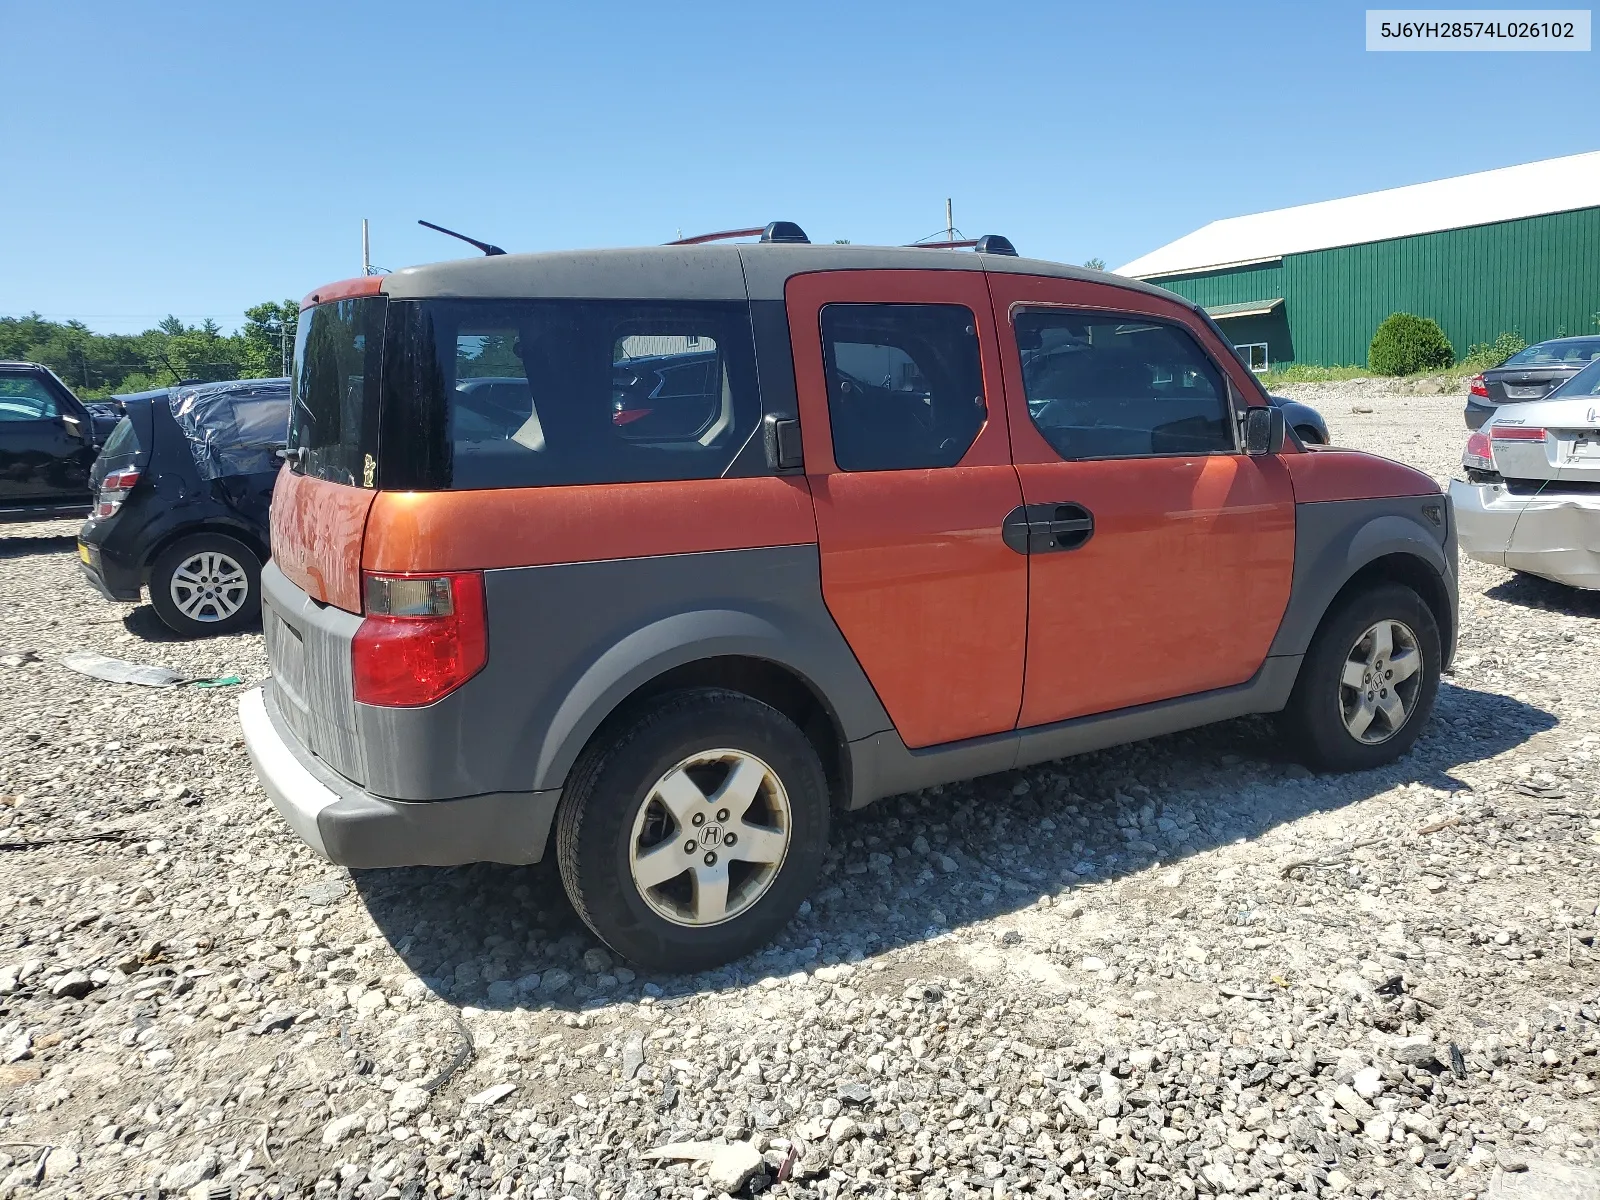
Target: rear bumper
point(111, 579)
point(1477, 414)
point(354, 828)
point(1555, 537)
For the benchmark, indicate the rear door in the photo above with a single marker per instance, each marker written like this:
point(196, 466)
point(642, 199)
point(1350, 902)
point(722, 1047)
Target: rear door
point(1161, 556)
point(905, 435)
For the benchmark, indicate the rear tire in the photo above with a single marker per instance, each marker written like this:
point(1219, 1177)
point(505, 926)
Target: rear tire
point(206, 583)
point(689, 834)
point(1308, 434)
point(1357, 704)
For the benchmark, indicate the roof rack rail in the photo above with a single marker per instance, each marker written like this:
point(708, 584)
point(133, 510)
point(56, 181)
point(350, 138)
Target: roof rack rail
point(989, 243)
point(773, 231)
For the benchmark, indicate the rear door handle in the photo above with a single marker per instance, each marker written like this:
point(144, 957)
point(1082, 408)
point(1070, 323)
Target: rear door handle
point(1047, 528)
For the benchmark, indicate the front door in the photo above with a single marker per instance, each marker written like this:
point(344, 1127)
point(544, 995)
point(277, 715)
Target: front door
point(41, 462)
point(1161, 556)
point(904, 428)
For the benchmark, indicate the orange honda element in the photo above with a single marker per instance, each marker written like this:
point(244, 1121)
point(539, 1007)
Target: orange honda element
point(664, 555)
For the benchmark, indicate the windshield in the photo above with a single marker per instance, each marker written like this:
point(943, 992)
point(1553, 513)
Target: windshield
point(1585, 383)
point(333, 417)
point(1572, 353)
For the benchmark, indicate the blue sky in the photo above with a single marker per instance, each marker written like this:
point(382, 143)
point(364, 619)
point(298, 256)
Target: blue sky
point(197, 158)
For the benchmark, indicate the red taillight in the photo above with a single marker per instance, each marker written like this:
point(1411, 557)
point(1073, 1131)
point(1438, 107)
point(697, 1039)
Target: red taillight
point(1478, 387)
point(423, 637)
point(627, 416)
point(1479, 454)
point(1516, 433)
point(114, 489)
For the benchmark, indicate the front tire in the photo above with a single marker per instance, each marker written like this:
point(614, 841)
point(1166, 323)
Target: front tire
point(206, 583)
point(1368, 682)
point(689, 834)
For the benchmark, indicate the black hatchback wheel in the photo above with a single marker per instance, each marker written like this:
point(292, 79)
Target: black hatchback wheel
point(689, 834)
point(206, 583)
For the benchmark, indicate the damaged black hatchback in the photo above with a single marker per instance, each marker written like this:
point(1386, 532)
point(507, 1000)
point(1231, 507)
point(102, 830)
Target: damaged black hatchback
point(181, 493)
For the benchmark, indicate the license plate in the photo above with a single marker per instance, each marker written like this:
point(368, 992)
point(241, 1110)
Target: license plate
point(83, 553)
point(1585, 450)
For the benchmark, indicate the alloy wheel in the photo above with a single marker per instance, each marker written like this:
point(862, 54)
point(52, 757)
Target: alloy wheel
point(710, 837)
point(209, 587)
point(1380, 682)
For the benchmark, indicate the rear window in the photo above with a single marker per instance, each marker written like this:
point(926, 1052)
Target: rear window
point(333, 418)
point(490, 394)
point(1557, 354)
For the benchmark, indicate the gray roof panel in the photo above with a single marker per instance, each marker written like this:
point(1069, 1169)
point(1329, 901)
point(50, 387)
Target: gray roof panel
point(706, 272)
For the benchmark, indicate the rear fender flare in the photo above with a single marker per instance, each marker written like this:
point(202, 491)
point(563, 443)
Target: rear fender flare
point(1333, 544)
point(643, 655)
point(225, 526)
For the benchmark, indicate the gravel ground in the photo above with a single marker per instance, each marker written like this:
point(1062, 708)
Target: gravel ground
point(1185, 966)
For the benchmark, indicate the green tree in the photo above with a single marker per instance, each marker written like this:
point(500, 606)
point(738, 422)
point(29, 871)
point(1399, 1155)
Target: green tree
point(97, 365)
point(1096, 264)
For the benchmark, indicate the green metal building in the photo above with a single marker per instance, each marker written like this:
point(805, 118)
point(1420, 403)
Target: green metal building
point(1511, 250)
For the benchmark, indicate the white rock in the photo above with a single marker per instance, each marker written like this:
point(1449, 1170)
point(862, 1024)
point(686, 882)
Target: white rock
point(340, 1128)
point(577, 1173)
point(408, 1100)
point(61, 1161)
point(186, 1174)
point(492, 1094)
point(731, 1167)
point(1368, 1083)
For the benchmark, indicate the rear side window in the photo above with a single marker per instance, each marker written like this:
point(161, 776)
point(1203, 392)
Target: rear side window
point(333, 411)
point(905, 384)
point(543, 392)
point(1100, 385)
point(123, 442)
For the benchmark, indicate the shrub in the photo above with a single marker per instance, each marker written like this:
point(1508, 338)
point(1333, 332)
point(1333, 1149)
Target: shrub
point(1485, 356)
point(1406, 344)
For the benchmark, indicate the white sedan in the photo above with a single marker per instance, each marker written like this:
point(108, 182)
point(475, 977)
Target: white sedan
point(1531, 497)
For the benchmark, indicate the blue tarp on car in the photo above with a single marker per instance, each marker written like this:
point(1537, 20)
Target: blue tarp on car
point(236, 427)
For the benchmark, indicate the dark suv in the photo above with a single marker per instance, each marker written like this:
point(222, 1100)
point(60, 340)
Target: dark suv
point(912, 515)
point(182, 492)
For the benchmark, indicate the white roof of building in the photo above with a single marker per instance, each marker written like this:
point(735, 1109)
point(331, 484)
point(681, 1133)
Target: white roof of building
point(1529, 190)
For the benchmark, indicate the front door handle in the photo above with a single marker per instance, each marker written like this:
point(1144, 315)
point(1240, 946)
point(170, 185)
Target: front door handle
point(1047, 528)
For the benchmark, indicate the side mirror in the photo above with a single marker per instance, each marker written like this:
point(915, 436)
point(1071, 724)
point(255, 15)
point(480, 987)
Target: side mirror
point(1264, 430)
point(74, 427)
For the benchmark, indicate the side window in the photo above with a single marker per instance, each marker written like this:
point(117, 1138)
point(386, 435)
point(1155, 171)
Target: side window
point(1105, 386)
point(541, 392)
point(25, 399)
point(905, 384)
